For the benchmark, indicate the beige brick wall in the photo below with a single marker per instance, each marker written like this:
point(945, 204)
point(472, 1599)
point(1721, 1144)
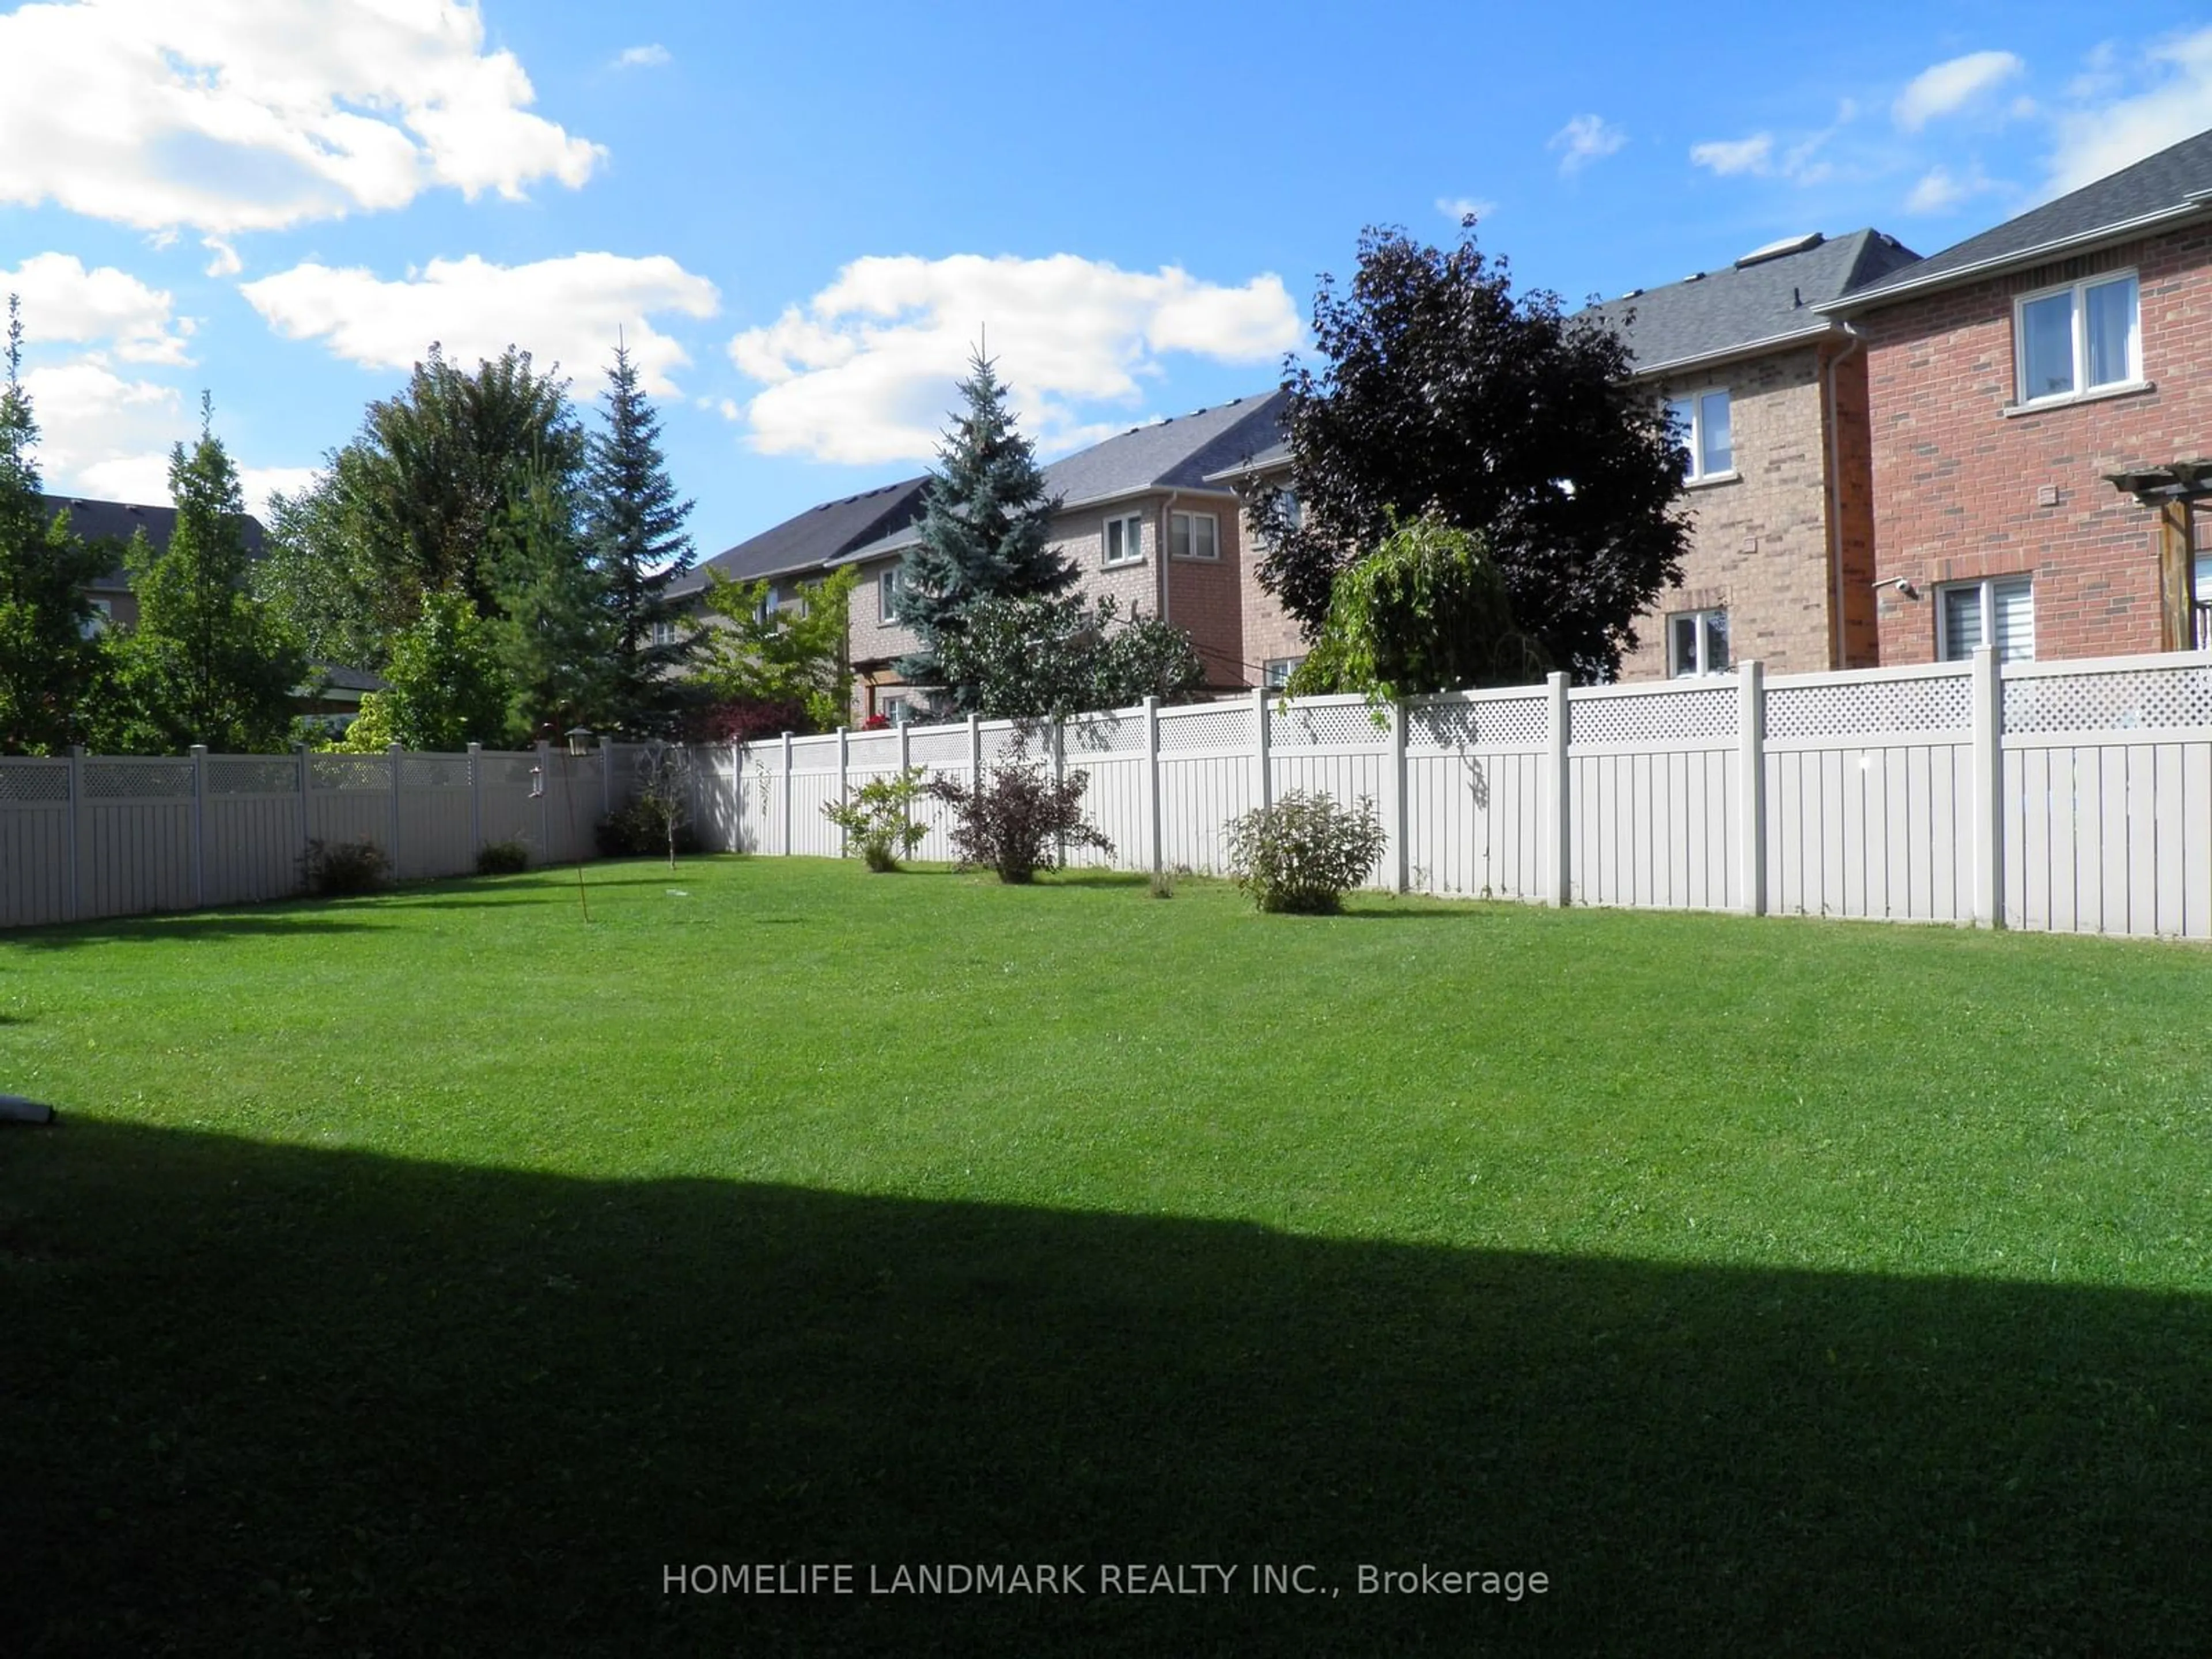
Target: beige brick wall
point(1759, 540)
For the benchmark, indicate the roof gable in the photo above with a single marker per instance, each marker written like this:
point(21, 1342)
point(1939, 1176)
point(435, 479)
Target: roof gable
point(1765, 299)
point(2175, 184)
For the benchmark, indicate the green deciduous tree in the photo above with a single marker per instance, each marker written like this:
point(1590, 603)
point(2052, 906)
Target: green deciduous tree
point(447, 686)
point(782, 658)
point(553, 630)
point(985, 534)
point(1041, 659)
point(1440, 389)
point(633, 533)
point(54, 663)
point(208, 662)
point(1425, 612)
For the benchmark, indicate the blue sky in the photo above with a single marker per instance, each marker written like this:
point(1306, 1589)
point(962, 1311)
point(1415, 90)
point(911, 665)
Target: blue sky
point(799, 214)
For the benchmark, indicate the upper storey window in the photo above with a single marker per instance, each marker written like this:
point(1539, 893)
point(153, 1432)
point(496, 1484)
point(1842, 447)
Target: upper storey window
point(2079, 339)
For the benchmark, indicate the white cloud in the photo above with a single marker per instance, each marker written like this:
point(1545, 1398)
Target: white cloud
point(864, 371)
point(565, 310)
point(1947, 87)
point(1456, 208)
point(1584, 139)
point(1728, 156)
point(1940, 190)
point(226, 262)
point(64, 301)
point(653, 57)
point(235, 115)
point(101, 434)
point(2099, 139)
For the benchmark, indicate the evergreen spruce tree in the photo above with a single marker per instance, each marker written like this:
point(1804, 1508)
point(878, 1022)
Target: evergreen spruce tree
point(985, 532)
point(555, 625)
point(635, 534)
point(54, 661)
point(208, 662)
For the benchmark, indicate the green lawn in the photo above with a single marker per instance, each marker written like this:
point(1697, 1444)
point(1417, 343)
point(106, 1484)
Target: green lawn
point(427, 1274)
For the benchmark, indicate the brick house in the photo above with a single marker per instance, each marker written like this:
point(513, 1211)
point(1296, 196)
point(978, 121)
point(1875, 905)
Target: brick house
point(1770, 395)
point(1123, 503)
point(806, 545)
point(2038, 395)
point(1274, 645)
point(115, 523)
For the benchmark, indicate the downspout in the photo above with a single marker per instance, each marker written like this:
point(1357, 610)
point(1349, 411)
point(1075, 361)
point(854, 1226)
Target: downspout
point(1167, 522)
point(1836, 626)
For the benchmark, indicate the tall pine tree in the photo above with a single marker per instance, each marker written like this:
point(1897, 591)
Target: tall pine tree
point(54, 661)
point(635, 534)
point(208, 662)
point(986, 531)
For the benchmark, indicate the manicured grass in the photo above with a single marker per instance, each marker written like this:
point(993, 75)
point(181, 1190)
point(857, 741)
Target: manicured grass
point(428, 1273)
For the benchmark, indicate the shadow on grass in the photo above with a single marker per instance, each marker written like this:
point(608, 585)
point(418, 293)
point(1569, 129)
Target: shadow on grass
point(1094, 879)
point(284, 918)
point(266, 1400)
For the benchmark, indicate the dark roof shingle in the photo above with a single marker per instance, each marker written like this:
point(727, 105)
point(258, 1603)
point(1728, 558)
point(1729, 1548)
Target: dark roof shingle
point(813, 539)
point(118, 521)
point(1756, 302)
point(2176, 183)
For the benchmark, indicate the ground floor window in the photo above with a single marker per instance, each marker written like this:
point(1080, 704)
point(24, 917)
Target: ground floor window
point(1697, 642)
point(1276, 674)
point(1997, 610)
point(2201, 593)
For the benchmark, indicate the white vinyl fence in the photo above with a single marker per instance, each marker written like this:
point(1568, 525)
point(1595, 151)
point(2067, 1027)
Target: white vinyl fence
point(2071, 797)
point(90, 836)
point(2068, 797)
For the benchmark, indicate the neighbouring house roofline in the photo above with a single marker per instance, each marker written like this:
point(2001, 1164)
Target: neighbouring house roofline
point(2087, 241)
point(1738, 353)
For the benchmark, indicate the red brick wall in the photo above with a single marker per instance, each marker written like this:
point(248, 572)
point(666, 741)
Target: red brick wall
point(1269, 633)
point(1203, 595)
point(1961, 490)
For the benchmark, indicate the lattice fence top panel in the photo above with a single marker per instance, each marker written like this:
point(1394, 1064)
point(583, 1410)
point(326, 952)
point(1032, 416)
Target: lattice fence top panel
point(872, 749)
point(1523, 723)
point(814, 753)
point(138, 779)
point(1690, 714)
point(27, 781)
point(506, 770)
point(1336, 726)
point(937, 746)
point(253, 775)
point(1105, 734)
point(344, 772)
point(433, 772)
point(1942, 704)
point(1206, 729)
point(2134, 698)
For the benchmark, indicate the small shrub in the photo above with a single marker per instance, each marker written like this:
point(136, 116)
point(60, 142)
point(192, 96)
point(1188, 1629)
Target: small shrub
point(502, 857)
point(332, 869)
point(642, 829)
point(878, 819)
point(1017, 820)
point(1305, 853)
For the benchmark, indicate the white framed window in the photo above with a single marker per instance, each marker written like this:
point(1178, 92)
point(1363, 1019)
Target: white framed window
point(664, 632)
point(1275, 673)
point(1194, 536)
point(1697, 643)
point(2203, 596)
point(889, 586)
point(1703, 421)
point(103, 617)
point(1125, 539)
point(895, 707)
point(2071, 340)
point(1997, 610)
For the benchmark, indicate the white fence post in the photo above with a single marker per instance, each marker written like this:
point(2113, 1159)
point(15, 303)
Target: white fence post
point(307, 796)
point(1265, 794)
point(545, 801)
point(1559, 886)
point(1988, 787)
point(738, 799)
point(975, 751)
point(1060, 777)
point(476, 799)
point(76, 832)
point(1751, 805)
point(844, 764)
point(1153, 785)
point(786, 794)
point(607, 776)
point(1394, 787)
point(199, 823)
point(392, 755)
